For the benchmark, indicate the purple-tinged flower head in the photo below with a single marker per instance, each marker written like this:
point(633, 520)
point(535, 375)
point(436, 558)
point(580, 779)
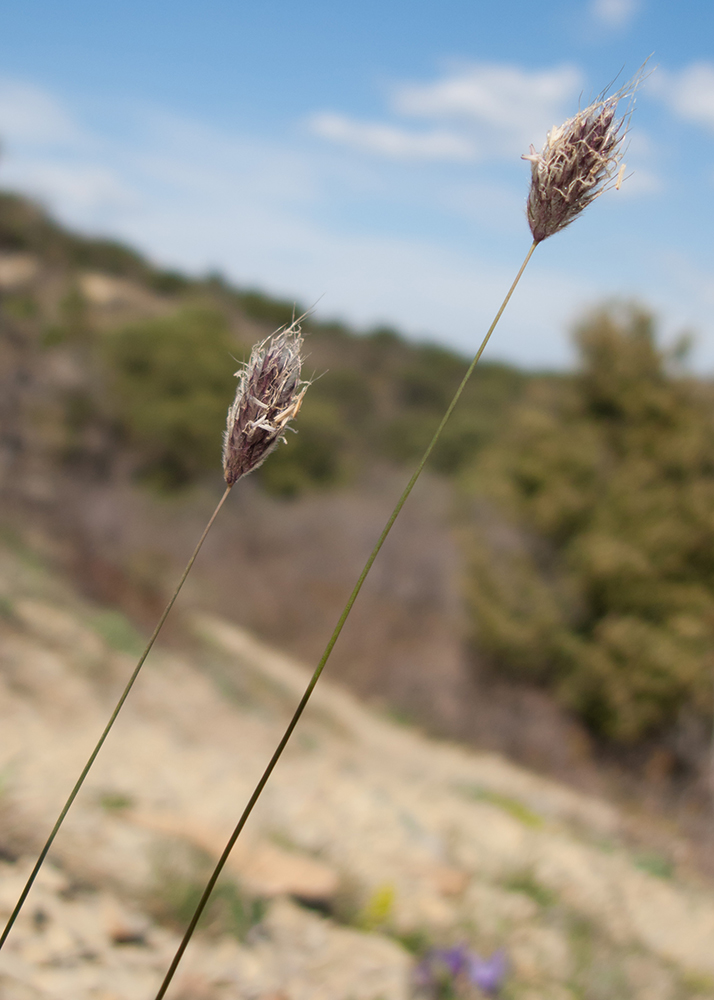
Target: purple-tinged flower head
point(454, 959)
point(459, 968)
point(487, 973)
point(577, 163)
point(268, 397)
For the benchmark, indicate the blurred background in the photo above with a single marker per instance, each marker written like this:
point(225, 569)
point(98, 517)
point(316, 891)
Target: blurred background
point(177, 182)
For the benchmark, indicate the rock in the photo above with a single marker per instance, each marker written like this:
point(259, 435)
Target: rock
point(540, 954)
point(17, 269)
point(13, 989)
point(268, 870)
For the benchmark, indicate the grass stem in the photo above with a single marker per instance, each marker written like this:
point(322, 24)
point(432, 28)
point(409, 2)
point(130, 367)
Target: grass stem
point(330, 645)
point(100, 742)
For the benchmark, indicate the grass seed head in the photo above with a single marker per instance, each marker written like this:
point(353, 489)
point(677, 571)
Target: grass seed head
point(268, 397)
point(577, 163)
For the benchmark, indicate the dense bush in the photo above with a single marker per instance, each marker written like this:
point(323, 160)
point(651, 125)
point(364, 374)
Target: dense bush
point(170, 382)
point(600, 583)
point(373, 397)
point(25, 226)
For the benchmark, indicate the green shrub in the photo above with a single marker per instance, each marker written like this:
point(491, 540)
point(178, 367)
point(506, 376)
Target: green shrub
point(599, 579)
point(265, 309)
point(171, 382)
point(514, 807)
point(116, 802)
point(179, 879)
point(525, 882)
point(654, 864)
point(315, 455)
point(117, 631)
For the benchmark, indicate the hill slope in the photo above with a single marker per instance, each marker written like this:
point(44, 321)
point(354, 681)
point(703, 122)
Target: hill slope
point(395, 838)
point(548, 591)
point(114, 381)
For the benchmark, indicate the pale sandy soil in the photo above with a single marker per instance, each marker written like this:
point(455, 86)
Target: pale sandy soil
point(395, 836)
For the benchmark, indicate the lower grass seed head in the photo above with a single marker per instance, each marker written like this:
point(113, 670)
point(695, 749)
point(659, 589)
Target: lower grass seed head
point(268, 397)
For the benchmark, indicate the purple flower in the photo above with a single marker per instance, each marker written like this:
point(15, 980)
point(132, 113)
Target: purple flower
point(460, 965)
point(487, 973)
point(455, 959)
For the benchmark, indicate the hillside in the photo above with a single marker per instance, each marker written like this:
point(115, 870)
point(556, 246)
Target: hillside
point(548, 591)
point(115, 379)
point(373, 845)
point(146, 358)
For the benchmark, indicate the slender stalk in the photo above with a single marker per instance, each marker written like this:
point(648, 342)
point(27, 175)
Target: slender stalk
point(93, 756)
point(711, 776)
point(330, 645)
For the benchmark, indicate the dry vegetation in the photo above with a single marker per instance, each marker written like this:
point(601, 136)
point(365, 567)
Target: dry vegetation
point(558, 603)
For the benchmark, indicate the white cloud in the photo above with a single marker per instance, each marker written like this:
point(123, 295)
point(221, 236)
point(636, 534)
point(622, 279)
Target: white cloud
point(486, 111)
point(506, 99)
point(47, 153)
point(29, 114)
point(689, 93)
point(81, 188)
point(614, 13)
point(386, 140)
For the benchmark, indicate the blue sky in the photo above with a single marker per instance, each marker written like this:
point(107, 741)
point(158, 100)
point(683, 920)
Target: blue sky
point(368, 155)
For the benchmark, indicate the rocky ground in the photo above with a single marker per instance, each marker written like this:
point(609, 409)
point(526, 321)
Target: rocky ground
point(373, 846)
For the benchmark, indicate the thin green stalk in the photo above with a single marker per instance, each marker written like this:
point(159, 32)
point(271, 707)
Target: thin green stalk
point(93, 756)
point(330, 645)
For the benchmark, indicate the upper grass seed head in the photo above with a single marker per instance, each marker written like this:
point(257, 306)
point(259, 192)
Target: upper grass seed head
point(268, 397)
point(577, 162)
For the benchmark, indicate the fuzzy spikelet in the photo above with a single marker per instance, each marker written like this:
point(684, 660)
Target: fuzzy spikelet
point(579, 159)
point(268, 397)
